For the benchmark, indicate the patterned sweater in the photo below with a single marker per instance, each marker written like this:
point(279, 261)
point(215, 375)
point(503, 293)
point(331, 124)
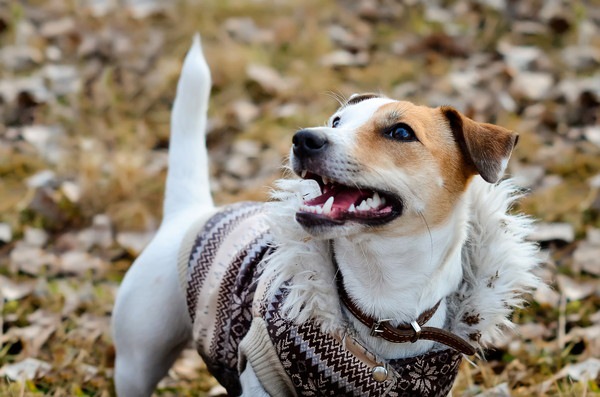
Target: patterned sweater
point(235, 323)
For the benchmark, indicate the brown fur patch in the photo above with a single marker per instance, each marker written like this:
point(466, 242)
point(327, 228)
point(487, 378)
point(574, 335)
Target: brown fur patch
point(471, 319)
point(485, 146)
point(475, 336)
point(436, 155)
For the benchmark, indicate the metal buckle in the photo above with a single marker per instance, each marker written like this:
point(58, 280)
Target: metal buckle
point(417, 328)
point(375, 328)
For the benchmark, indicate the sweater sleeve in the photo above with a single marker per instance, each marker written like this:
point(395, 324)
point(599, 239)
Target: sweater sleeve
point(257, 350)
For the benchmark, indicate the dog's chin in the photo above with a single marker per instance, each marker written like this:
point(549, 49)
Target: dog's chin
point(326, 229)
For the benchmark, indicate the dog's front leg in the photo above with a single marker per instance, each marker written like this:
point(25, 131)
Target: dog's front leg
point(251, 386)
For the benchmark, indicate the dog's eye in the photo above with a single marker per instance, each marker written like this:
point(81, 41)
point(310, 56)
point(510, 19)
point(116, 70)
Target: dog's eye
point(336, 122)
point(401, 132)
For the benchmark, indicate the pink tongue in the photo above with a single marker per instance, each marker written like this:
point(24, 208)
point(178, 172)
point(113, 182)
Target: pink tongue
point(343, 196)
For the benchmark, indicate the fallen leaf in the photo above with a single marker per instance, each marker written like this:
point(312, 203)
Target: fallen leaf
point(583, 371)
point(134, 242)
point(13, 290)
point(587, 258)
point(576, 290)
point(5, 232)
point(552, 232)
point(31, 260)
point(80, 263)
point(28, 369)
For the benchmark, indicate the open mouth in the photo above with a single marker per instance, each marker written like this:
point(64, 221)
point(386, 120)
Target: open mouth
point(339, 203)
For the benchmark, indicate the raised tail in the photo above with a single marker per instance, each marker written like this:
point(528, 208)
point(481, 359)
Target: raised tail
point(187, 177)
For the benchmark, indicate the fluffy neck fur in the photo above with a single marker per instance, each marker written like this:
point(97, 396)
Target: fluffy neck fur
point(410, 274)
point(400, 277)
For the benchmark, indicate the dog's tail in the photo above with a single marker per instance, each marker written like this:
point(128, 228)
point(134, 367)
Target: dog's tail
point(188, 178)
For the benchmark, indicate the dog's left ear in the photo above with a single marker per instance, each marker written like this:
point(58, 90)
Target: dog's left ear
point(486, 147)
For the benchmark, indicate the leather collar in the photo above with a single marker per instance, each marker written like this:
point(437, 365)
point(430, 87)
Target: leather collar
point(404, 332)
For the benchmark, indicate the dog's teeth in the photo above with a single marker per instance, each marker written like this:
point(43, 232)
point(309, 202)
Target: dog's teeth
point(304, 172)
point(383, 201)
point(363, 206)
point(318, 210)
point(328, 205)
point(376, 200)
point(325, 181)
point(370, 203)
point(351, 208)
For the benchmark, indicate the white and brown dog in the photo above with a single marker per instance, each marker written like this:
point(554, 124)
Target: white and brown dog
point(372, 274)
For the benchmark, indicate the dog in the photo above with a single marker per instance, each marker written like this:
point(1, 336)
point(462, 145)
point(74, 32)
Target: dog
point(390, 256)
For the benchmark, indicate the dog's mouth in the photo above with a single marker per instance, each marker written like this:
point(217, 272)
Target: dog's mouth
point(340, 203)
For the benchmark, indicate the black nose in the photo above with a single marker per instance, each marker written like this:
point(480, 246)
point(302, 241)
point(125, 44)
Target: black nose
point(309, 143)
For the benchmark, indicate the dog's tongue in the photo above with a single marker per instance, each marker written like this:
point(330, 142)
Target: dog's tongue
point(343, 196)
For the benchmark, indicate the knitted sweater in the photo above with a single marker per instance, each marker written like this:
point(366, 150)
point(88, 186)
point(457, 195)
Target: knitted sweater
point(235, 323)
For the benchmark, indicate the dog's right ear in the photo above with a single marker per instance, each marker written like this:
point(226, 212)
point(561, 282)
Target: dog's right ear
point(356, 98)
point(486, 147)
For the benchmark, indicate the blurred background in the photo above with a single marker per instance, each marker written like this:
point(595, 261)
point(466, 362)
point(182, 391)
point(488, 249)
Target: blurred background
point(85, 92)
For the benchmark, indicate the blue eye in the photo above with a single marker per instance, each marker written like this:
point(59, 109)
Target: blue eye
point(401, 132)
point(336, 122)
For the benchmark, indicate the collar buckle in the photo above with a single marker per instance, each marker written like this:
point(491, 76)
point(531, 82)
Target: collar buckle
point(376, 327)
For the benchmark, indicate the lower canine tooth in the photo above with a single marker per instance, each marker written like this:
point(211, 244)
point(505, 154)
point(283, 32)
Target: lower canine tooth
point(327, 206)
point(351, 208)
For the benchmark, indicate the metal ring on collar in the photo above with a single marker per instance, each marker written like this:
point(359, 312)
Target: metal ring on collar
point(415, 325)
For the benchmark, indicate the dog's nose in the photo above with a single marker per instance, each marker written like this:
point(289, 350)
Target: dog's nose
point(309, 143)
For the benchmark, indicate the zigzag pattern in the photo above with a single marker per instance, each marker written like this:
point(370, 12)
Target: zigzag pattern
point(207, 244)
point(234, 307)
point(318, 364)
point(320, 357)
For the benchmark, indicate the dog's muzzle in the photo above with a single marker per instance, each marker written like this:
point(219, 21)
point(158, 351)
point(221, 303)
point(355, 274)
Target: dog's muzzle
point(308, 143)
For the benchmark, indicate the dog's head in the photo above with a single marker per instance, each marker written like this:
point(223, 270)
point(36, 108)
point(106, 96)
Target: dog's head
point(393, 165)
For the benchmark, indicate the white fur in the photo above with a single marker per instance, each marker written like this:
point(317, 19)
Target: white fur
point(497, 262)
point(495, 249)
point(150, 320)
point(352, 118)
point(395, 276)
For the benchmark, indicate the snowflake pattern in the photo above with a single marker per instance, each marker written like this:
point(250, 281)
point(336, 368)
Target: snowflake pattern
point(318, 365)
point(423, 377)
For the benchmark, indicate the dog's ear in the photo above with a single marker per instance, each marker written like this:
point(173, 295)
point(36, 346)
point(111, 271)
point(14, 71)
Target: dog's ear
point(356, 98)
point(486, 147)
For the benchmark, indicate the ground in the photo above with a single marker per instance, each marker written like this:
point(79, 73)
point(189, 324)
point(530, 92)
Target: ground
point(85, 92)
